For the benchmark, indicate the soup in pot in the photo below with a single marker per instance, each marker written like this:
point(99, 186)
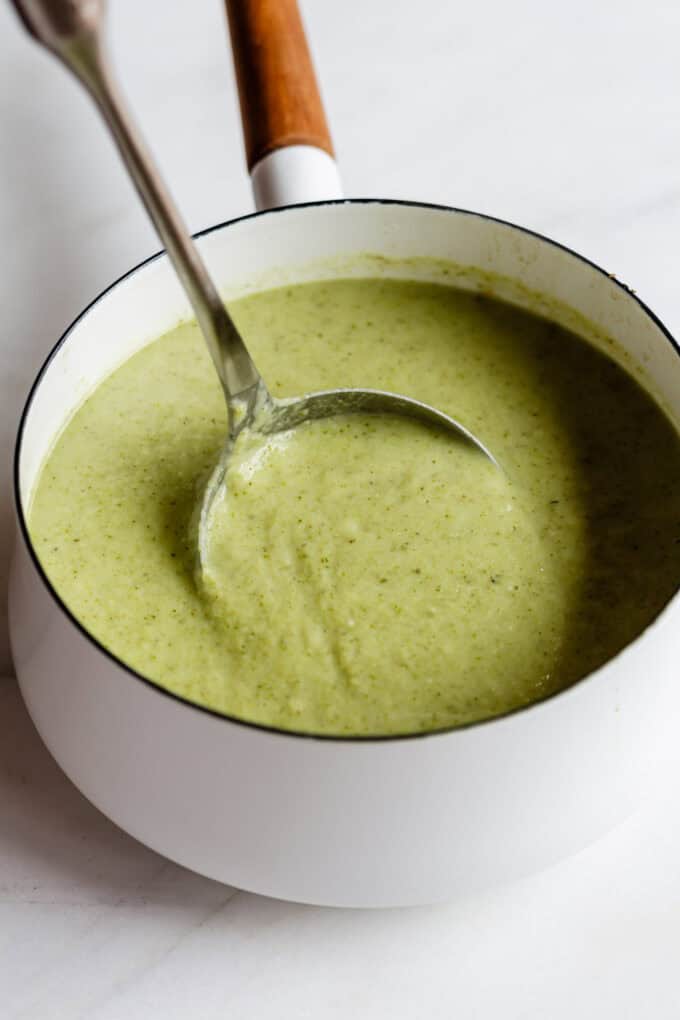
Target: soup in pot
point(369, 575)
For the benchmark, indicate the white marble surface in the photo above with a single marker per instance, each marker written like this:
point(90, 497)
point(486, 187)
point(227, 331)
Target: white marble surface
point(560, 116)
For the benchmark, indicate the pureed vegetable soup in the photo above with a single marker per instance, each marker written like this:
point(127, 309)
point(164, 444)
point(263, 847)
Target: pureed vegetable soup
point(369, 575)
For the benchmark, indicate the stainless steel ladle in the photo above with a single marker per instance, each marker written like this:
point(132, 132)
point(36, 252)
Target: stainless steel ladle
point(73, 31)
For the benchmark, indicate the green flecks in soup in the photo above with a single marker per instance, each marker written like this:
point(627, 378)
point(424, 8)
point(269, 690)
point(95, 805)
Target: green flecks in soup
point(369, 574)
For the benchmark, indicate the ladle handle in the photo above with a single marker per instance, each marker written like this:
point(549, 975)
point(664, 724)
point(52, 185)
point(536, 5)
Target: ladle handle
point(288, 145)
point(73, 30)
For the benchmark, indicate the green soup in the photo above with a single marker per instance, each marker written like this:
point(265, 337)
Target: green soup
point(369, 575)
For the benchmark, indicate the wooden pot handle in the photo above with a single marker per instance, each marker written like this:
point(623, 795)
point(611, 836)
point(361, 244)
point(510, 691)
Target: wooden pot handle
point(278, 92)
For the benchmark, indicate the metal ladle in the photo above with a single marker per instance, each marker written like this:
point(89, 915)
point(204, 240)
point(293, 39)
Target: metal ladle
point(72, 30)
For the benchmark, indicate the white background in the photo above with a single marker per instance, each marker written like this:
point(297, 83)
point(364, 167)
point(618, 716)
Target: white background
point(560, 116)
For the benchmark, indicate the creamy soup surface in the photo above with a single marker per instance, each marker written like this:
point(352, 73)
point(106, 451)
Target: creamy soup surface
point(369, 575)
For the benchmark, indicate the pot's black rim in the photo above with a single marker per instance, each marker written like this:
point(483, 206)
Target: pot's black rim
point(297, 734)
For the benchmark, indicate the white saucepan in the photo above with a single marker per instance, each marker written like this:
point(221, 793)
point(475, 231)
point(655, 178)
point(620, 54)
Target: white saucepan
point(353, 822)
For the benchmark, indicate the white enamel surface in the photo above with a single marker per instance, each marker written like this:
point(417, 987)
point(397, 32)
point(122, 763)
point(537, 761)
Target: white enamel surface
point(343, 823)
point(296, 173)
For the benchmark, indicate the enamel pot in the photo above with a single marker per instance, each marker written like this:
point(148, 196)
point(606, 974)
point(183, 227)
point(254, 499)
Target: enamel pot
point(352, 822)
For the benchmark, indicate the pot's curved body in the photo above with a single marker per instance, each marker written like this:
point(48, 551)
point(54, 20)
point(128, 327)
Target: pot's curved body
point(346, 822)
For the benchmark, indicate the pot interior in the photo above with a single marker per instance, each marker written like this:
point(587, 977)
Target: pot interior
point(360, 239)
